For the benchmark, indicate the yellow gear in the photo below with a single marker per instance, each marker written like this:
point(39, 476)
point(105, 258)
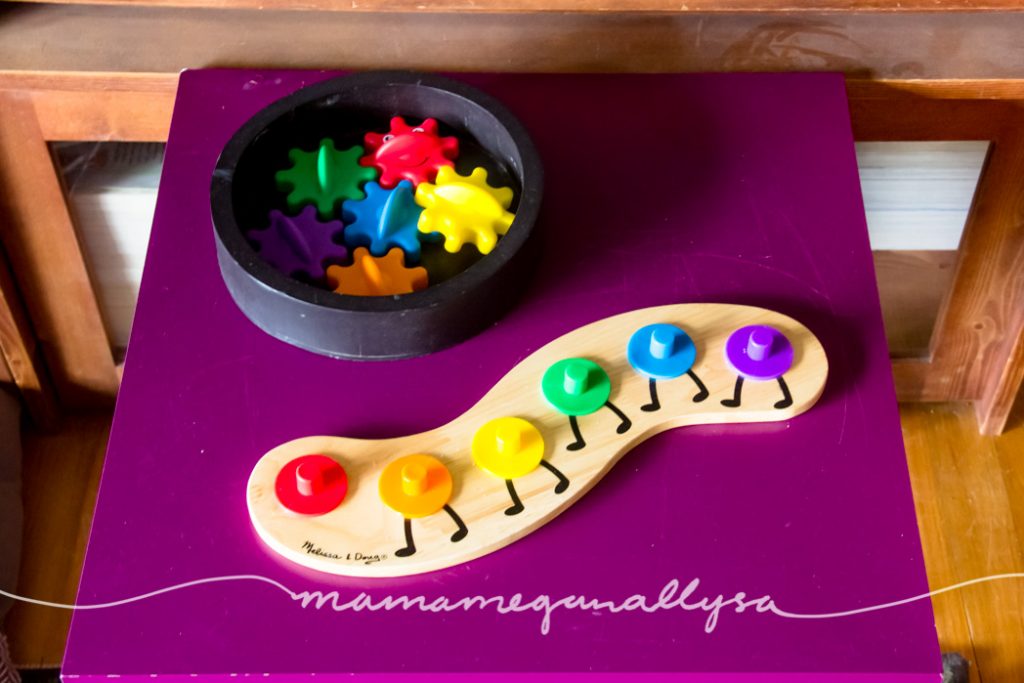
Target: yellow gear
point(464, 209)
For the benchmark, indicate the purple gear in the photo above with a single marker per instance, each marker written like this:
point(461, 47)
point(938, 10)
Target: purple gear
point(299, 244)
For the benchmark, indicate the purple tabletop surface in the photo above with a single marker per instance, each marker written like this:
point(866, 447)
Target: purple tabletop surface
point(660, 189)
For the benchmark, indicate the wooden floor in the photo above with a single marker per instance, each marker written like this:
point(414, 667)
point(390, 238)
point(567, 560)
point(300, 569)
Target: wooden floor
point(61, 474)
point(969, 494)
point(969, 491)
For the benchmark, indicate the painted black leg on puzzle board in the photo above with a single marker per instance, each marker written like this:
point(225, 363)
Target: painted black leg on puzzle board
point(654, 404)
point(579, 442)
point(734, 402)
point(625, 423)
point(702, 391)
point(787, 398)
point(563, 481)
point(410, 546)
point(517, 505)
point(461, 532)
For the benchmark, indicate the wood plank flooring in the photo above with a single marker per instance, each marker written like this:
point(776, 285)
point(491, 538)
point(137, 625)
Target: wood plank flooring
point(60, 476)
point(969, 493)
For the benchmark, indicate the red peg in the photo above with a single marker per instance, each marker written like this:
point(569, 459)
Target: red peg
point(311, 485)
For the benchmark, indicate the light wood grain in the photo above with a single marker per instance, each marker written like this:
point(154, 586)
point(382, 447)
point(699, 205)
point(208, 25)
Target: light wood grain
point(516, 6)
point(889, 89)
point(85, 106)
point(22, 360)
point(39, 238)
point(133, 39)
point(980, 333)
point(363, 525)
point(987, 299)
point(969, 492)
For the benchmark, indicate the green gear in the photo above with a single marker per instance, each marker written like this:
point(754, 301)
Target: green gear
point(324, 178)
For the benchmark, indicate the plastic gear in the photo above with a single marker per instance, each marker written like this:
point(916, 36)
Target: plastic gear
point(413, 153)
point(299, 244)
point(465, 209)
point(324, 177)
point(376, 275)
point(384, 220)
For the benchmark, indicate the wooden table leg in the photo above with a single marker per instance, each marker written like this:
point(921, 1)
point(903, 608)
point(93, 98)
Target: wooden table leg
point(978, 344)
point(985, 310)
point(977, 347)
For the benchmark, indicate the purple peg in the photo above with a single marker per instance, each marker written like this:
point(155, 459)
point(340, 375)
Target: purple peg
point(759, 352)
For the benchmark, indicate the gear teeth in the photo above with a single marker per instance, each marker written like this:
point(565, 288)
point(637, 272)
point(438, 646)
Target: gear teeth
point(385, 219)
point(465, 209)
point(409, 152)
point(299, 244)
point(323, 178)
point(376, 275)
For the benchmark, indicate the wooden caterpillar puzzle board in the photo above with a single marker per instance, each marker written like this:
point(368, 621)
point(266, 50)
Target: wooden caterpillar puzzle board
point(708, 202)
point(356, 538)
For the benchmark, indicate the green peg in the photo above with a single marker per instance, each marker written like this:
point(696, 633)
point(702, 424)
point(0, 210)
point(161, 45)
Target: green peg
point(576, 386)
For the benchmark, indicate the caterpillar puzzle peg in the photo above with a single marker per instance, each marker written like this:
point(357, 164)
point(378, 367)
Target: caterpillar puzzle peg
point(450, 489)
point(509, 448)
point(664, 352)
point(418, 486)
point(759, 353)
point(577, 387)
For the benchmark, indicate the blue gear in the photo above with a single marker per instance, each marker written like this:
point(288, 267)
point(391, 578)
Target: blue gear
point(383, 220)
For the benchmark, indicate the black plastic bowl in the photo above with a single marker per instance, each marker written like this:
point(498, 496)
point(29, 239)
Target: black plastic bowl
point(242, 193)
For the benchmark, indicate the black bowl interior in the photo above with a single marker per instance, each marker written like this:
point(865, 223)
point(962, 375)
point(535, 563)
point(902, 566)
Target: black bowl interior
point(344, 110)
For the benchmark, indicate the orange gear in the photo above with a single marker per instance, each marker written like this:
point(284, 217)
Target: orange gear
point(376, 275)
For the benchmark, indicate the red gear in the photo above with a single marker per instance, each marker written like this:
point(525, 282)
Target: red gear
point(409, 153)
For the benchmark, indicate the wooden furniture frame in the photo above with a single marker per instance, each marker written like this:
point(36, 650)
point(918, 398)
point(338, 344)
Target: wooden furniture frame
point(109, 72)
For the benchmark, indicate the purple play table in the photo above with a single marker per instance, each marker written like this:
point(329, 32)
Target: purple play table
point(660, 189)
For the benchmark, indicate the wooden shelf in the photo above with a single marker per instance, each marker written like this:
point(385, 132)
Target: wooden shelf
point(617, 6)
point(136, 38)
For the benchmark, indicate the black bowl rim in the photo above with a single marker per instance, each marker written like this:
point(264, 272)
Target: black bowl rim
point(477, 275)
